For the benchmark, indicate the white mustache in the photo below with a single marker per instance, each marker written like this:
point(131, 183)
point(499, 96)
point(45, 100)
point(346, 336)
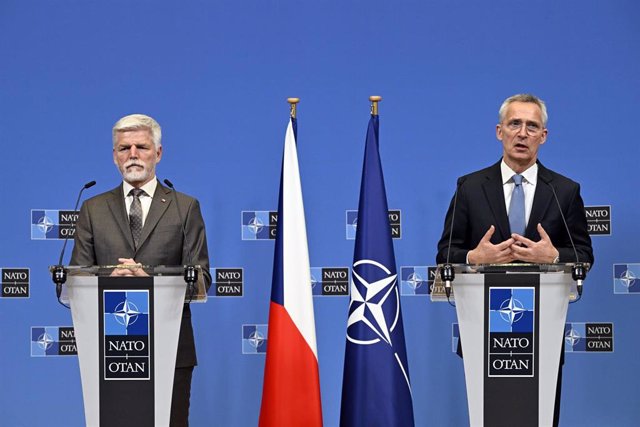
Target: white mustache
point(130, 163)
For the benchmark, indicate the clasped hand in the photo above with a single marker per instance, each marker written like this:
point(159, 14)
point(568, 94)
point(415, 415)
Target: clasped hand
point(517, 247)
point(133, 268)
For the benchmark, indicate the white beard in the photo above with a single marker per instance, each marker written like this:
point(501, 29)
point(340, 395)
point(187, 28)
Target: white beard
point(134, 175)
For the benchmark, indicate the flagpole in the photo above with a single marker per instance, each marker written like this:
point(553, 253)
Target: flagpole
point(376, 389)
point(374, 104)
point(292, 105)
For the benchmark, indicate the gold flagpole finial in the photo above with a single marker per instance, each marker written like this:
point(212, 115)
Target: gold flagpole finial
point(292, 104)
point(374, 104)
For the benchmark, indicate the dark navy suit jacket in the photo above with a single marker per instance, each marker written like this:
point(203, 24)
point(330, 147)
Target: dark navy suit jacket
point(481, 204)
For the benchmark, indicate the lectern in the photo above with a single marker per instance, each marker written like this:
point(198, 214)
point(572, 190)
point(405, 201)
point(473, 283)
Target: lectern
point(511, 319)
point(126, 331)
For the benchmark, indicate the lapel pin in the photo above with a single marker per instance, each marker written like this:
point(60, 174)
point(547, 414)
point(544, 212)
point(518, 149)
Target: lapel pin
point(163, 200)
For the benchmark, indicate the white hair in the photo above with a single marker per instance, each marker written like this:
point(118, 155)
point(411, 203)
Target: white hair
point(523, 97)
point(138, 122)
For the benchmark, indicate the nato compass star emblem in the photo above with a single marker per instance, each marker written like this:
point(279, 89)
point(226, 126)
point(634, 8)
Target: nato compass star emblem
point(354, 224)
point(628, 279)
point(415, 281)
point(511, 310)
point(45, 341)
point(367, 304)
point(126, 313)
point(45, 224)
point(370, 299)
point(255, 225)
point(256, 339)
point(572, 337)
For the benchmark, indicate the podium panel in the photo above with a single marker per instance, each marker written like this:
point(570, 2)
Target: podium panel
point(126, 330)
point(511, 321)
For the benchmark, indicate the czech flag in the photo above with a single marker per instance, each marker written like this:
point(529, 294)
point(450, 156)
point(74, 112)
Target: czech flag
point(291, 389)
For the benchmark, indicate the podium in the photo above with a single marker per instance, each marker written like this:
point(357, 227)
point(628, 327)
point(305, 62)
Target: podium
point(126, 331)
point(511, 319)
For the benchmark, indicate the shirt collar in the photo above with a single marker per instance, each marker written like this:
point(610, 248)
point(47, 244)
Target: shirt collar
point(530, 175)
point(149, 187)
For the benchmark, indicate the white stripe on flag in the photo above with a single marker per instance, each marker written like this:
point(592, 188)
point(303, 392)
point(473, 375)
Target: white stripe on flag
point(298, 299)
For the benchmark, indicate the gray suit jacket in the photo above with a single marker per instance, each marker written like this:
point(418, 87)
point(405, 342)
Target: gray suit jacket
point(103, 235)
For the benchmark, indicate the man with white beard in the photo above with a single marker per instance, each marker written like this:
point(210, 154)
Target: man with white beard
point(138, 223)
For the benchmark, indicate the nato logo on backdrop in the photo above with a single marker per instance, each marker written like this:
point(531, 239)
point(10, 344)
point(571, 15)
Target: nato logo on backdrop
point(227, 282)
point(15, 282)
point(254, 339)
point(598, 220)
point(330, 281)
point(259, 225)
point(455, 337)
point(47, 224)
point(126, 335)
point(48, 341)
point(352, 224)
point(511, 329)
point(626, 278)
point(588, 337)
point(416, 280)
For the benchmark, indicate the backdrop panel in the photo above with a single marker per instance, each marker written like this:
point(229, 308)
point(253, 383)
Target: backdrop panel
point(216, 76)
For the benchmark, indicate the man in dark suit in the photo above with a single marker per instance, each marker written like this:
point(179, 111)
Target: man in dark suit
point(482, 232)
point(485, 218)
point(138, 223)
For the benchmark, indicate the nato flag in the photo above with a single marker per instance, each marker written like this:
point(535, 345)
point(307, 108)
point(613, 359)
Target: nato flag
point(375, 389)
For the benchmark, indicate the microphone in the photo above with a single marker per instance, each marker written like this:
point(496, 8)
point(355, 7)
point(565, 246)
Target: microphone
point(578, 271)
point(190, 272)
point(447, 273)
point(59, 274)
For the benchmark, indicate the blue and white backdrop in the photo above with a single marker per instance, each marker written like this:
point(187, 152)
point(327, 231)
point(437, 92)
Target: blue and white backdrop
point(216, 76)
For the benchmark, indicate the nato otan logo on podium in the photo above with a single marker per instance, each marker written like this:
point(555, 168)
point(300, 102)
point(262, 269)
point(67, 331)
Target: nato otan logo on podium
point(254, 339)
point(48, 224)
point(511, 332)
point(330, 281)
point(126, 335)
point(598, 220)
point(227, 282)
point(588, 337)
point(626, 279)
point(15, 282)
point(352, 223)
point(416, 280)
point(51, 341)
point(259, 225)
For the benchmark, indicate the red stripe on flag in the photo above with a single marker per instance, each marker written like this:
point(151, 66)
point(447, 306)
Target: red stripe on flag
point(291, 391)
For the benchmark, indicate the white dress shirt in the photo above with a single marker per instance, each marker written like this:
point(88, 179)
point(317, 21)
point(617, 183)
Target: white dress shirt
point(530, 179)
point(528, 186)
point(145, 200)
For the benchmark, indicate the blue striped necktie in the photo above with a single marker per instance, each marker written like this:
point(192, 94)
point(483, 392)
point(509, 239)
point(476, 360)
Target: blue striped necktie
point(516, 207)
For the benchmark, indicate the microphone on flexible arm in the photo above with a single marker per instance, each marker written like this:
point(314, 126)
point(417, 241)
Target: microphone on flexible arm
point(447, 273)
point(190, 272)
point(578, 271)
point(59, 274)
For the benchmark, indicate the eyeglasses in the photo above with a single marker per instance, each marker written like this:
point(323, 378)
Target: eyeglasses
point(532, 128)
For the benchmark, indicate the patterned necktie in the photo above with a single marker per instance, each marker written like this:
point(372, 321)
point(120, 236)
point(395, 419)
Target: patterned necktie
point(516, 207)
point(135, 214)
